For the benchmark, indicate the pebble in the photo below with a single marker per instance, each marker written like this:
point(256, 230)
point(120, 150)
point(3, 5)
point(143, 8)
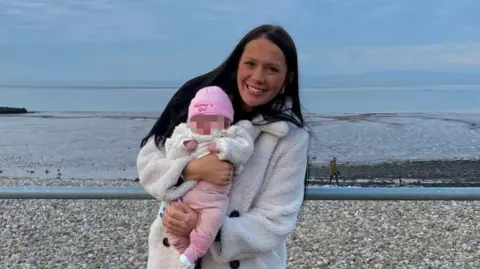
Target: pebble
point(330, 234)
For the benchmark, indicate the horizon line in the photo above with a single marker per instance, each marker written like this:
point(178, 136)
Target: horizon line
point(172, 86)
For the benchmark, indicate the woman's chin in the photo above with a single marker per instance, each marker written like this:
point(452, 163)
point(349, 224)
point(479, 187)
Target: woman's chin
point(251, 101)
point(250, 104)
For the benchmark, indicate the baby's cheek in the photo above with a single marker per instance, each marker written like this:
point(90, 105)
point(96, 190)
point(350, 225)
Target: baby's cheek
point(218, 125)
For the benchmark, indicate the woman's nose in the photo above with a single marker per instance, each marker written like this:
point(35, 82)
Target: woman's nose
point(258, 76)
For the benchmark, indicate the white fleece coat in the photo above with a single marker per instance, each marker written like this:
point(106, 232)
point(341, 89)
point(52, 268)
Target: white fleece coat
point(264, 203)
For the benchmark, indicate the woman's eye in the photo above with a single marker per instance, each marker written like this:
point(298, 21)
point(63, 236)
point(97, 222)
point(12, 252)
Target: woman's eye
point(272, 70)
point(249, 64)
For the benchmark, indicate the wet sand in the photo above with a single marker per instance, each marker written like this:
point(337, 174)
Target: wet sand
point(380, 147)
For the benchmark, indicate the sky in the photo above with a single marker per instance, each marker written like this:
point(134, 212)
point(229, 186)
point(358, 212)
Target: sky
point(138, 41)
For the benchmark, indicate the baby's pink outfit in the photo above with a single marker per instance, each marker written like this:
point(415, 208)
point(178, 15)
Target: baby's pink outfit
point(234, 144)
point(211, 203)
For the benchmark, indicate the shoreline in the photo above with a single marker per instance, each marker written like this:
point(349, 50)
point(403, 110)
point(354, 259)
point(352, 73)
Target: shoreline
point(427, 173)
point(431, 173)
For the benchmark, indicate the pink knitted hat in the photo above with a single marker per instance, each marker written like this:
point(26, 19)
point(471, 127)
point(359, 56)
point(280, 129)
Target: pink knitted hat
point(211, 100)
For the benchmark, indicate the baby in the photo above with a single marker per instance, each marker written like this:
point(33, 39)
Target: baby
point(208, 130)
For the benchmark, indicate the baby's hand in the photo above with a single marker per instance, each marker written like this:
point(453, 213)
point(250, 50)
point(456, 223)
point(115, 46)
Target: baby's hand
point(191, 145)
point(212, 147)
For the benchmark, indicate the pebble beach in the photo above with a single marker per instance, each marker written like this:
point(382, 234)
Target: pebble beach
point(329, 234)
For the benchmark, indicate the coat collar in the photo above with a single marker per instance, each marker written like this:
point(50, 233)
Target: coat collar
point(278, 128)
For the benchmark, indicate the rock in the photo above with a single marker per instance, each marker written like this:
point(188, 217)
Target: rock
point(12, 110)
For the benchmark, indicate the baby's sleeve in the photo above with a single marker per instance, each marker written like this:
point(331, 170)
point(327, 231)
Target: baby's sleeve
point(174, 145)
point(236, 147)
point(160, 175)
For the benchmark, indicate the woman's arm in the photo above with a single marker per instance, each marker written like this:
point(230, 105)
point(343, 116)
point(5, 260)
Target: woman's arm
point(274, 214)
point(159, 175)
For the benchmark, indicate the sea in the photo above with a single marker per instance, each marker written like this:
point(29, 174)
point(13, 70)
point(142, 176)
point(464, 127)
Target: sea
point(95, 133)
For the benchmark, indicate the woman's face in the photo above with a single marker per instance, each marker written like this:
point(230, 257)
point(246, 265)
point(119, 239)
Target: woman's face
point(261, 72)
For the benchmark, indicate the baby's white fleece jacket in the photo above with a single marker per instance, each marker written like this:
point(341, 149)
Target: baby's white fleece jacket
point(159, 172)
point(235, 144)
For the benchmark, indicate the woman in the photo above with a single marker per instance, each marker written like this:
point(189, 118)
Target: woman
point(261, 78)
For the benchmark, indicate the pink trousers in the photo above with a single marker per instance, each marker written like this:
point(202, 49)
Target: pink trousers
point(211, 203)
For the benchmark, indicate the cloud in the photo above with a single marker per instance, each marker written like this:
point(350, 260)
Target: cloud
point(383, 22)
point(305, 56)
point(80, 21)
point(465, 59)
point(360, 59)
point(166, 39)
point(100, 21)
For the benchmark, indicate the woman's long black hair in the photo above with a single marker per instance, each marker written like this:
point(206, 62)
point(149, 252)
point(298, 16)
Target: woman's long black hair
point(224, 76)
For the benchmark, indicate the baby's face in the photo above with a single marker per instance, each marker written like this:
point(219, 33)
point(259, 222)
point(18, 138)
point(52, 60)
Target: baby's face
point(207, 124)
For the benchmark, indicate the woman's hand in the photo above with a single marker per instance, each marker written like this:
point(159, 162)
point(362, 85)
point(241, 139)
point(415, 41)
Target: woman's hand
point(179, 219)
point(209, 169)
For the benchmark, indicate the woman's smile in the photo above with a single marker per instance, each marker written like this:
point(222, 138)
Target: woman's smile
point(255, 90)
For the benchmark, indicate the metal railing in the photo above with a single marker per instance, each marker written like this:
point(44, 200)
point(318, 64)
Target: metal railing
point(313, 193)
